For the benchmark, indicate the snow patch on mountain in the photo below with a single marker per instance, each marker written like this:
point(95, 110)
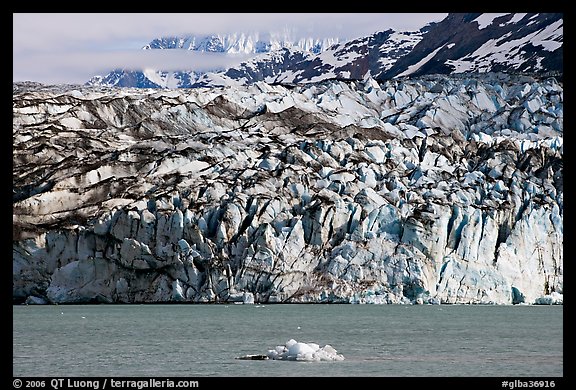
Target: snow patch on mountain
point(487, 19)
point(414, 68)
point(516, 18)
point(510, 52)
point(397, 42)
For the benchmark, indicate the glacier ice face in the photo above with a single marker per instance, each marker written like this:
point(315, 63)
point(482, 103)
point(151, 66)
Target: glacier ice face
point(425, 195)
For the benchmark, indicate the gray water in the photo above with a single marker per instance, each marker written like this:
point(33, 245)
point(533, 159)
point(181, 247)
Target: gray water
point(203, 340)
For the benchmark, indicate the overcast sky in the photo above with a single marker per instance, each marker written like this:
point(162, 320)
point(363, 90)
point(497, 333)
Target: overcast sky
point(71, 48)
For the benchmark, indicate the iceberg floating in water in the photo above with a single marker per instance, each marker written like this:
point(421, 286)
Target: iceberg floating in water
point(550, 299)
point(294, 350)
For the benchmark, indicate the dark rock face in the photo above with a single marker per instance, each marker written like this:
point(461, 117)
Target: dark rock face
point(513, 43)
point(434, 189)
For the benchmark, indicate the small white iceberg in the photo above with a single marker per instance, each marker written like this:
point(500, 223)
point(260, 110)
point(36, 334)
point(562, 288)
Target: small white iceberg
point(550, 299)
point(293, 350)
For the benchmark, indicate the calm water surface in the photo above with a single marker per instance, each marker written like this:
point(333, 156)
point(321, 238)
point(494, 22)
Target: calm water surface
point(203, 340)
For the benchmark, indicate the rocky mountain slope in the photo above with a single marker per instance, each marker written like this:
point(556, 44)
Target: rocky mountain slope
point(351, 60)
point(512, 43)
point(462, 42)
point(432, 189)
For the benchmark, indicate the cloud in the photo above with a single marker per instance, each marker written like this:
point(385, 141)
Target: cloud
point(78, 66)
point(72, 47)
point(73, 28)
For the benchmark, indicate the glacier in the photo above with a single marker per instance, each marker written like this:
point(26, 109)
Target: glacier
point(434, 189)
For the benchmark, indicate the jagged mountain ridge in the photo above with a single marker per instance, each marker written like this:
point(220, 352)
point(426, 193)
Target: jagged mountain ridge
point(234, 43)
point(241, 43)
point(472, 42)
point(351, 60)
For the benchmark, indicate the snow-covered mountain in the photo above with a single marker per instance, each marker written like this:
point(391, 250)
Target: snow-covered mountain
point(147, 78)
point(350, 61)
point(462, 42)
point(515, 43)
point(510, 42)
point(235, 43)
point(428, 189)
point(241, 43)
